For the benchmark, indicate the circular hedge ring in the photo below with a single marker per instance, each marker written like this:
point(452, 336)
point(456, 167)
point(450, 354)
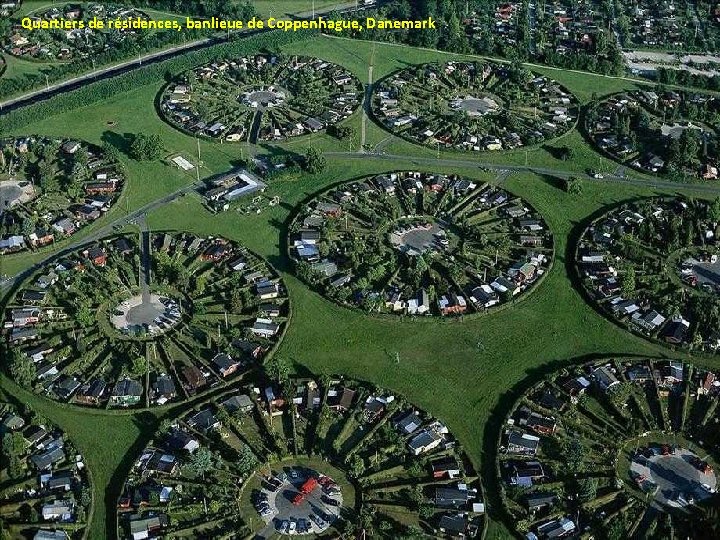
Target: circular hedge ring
point(139, 321)
point(412, 243)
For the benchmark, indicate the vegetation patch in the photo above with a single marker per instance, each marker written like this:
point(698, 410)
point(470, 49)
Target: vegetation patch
point(66, 45)
point(261, 98)
point(617, 448)
point(302, 456)
point(141, 321)
point(51, 188)
point(420, 244)
point(661, 131)
point(652, 266)
point(473, 106)
point(46, 490)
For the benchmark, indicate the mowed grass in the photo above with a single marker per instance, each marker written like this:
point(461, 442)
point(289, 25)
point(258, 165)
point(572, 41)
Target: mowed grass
point(467, 373)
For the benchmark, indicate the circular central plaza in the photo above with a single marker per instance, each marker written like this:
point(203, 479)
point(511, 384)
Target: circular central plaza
point(299, 500)
point(14, 192)
point(146, 312)
point(418, 238)
point(475, 106)
point(264, 98)
point(676, 477)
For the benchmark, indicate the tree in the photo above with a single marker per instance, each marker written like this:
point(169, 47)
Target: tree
point(201, 461)
point(587, 489)
point(139, 366)
point(572, 185)
point(236, 303)
point(356, 466)
point(574, 454)
point(278, 368)
point(314, 161)
point(146, 147)
point(22, 368)
point(628, 282)
point(246, 460)
point(84, 316)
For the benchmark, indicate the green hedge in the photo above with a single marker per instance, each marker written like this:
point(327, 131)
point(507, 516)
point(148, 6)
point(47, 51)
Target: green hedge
point(141, 76)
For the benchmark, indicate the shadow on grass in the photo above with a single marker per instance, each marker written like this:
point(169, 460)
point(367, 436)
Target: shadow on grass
point(146, 423)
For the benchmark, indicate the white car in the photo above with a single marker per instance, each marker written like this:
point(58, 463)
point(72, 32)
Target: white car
point(707, 488)
point(293, 527)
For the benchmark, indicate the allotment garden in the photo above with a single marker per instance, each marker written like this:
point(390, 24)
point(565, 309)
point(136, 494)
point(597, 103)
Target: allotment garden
point(50, 188)
point(261, 98)
point(473, 106)
point(135, 321)
point(614, 447)
point(78, 43)
point(298, 456)
point(46, 491)
point(420, 244)
point(652, 266)
point(658, 132)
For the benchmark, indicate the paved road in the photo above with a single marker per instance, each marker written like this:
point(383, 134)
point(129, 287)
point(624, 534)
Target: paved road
point(709, 189)
point(146, 59)
point(136, 216)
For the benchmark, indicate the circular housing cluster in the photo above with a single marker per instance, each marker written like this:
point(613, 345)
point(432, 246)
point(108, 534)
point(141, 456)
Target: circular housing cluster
point(615, 448)
point(473, 106)
point(296, 456)
point(420, 244)
point(51, 188)
point(73, 44)
point(135, 321)
point(46, 484)
point(652, 265)
point(658, 132)
point(261, 98)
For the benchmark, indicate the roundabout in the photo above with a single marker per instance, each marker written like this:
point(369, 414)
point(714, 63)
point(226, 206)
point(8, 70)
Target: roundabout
point(478, 106)
point(613, 447)
point(143, 321)
point(150, 313)
point(299, 500)
point(294, 456)
point(674, 475)
point(261, 98)
point(412, 243)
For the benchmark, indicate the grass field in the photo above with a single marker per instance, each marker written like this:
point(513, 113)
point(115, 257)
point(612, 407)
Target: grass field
point(467, 373)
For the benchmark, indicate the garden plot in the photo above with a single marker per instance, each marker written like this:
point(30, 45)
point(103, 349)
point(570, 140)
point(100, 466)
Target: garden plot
point(612, 448)
point(415, 243)
point(46, 487)
point(68, 45)
point(653, 266)
point(294, 456)
point(51, 188)
point(658, 132)
point(261, 98)
point(138, 321)
point(473, 106)
point(669, 25)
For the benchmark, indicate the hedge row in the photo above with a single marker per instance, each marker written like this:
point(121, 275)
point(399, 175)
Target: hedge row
point(150, 74)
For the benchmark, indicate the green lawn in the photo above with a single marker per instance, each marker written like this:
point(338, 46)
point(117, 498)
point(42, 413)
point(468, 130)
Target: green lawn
point(467, 373)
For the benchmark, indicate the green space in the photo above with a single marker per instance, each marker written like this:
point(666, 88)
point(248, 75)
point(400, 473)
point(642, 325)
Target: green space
point(467, 374)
